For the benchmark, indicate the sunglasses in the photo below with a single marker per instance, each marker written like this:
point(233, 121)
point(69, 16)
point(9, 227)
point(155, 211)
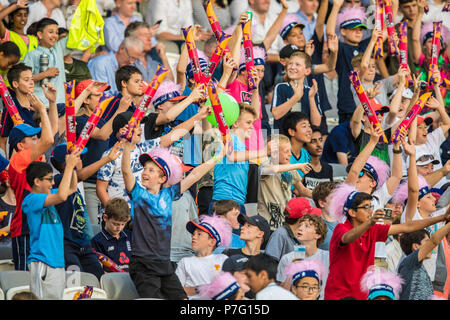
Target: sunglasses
point(425, 157)
point(50, 179)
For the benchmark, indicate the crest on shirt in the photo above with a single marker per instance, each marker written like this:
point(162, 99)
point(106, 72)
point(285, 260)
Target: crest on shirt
point(110, 248)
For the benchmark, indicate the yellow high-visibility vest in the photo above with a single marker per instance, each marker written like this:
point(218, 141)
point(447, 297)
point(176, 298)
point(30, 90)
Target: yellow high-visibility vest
point(24, 49)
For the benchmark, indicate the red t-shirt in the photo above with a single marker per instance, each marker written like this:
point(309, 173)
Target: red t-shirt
point(17, 178)
point(348, 263)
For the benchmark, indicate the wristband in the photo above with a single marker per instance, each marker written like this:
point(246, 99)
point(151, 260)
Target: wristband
point(215, 159)
point(399, 151)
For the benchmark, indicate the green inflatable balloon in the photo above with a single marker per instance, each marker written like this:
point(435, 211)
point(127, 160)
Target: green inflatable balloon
point(230, 110)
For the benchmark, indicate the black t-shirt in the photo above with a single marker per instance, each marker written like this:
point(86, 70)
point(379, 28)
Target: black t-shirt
point(74, 217)
point(323, 103)
point(312, 179)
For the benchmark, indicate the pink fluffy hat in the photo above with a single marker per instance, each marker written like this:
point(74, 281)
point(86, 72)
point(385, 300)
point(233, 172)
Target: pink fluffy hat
point(290, 22)
point(305, 268)
point(167, 91)
point(169, 163)
point(218, 228)
point(401, 193)
point(351, 18)
point(221, 287)
point(379, 282)
point(259, 57)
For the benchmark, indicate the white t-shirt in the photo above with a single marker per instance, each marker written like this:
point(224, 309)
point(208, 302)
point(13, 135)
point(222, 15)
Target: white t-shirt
point(275, 292)
point(321, 255)
point(175, 14)
point(429, 264)
point(37, 11)
point(196, 271)
point(260, 30)
point(380, 198)
point(432, 146)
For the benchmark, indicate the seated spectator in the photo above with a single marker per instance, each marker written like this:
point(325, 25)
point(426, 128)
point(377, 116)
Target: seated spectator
point(104, 67)
point(339, 146)
point(45, 9)
point(221, 9)
point(234, 264)
point(114, 241)
point(230, 210)
point(311, 234)
point(174, 15)
point(224, 286)
point(116, 24)
point(76, 69)
point(200, 269)
point(305, 278)
point(307, 16)
point(146, 63)
point(320, 170)
point(17, 14)
point(278, 177)
point(381, 284)
point(255, 233)
point(283, 239)
point(9, 56)
point(261, 271)
point(321, 197)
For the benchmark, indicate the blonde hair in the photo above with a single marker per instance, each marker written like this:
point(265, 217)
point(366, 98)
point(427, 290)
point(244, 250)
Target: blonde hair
point(304, 56)
point(281, 138)
point(243, 107)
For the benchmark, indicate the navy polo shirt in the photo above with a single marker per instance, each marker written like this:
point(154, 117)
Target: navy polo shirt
point(7, 123)
point(346, 52)
point(118, 250)
point(283, 92)
point(340, 139)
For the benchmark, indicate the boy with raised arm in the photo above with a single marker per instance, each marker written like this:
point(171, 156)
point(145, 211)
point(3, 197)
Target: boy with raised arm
point(46, 259)
point(150, 267)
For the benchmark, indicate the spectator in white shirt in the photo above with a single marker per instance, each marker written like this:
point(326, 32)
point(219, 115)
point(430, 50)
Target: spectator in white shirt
point(174, 15)
point(46, 8)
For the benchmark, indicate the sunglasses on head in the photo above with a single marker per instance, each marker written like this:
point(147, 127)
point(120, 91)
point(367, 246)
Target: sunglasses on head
point(379, 112)
point(425, 157)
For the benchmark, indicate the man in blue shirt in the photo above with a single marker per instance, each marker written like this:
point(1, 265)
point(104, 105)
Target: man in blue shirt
point(115, 25)
point(103, 68)
point(306, 15)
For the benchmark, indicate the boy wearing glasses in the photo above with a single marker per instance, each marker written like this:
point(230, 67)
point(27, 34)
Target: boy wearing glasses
point(46, 259)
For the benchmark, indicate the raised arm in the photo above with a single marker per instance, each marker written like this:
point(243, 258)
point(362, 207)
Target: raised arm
point(202, 169)
point(68, 184)
point(413, 181)
point(197, 94)
point(331, 22)
point(333, 45)
point(315, 116)
point(85, 172)
point(417, 25)
point(50, 93)
point(321, 15)
point(356, 232)
point(272, 33)
point(47, 138)
point(397, 170)
point(6, 11)
point(364, 155)
point(128, 177)
point(183, 128)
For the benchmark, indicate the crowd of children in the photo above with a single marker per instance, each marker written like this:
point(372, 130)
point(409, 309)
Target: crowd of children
point(290, 203)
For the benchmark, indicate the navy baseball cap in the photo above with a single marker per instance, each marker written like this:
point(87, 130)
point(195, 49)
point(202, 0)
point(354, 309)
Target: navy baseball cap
point(234, 263)
point(353, 24)
point(60, 151)
point(258, 221)
point(21, 131)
